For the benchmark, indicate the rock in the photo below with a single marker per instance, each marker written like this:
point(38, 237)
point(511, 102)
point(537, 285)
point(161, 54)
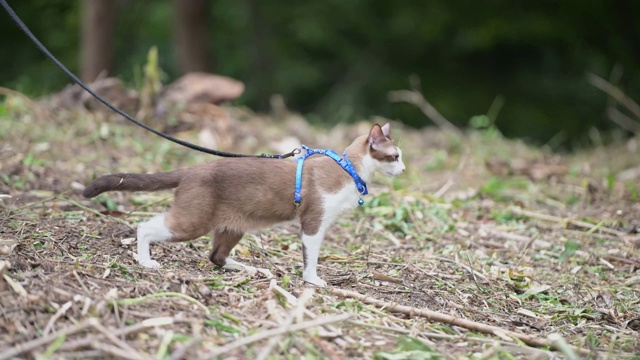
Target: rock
point(199, 87)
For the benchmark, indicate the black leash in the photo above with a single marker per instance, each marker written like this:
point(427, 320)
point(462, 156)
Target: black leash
point(73, 77)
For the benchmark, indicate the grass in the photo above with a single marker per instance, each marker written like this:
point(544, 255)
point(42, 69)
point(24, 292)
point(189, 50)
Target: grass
point(556, 258)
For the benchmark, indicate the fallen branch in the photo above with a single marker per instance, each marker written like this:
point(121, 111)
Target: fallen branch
point(275, 332)
point(451, 320)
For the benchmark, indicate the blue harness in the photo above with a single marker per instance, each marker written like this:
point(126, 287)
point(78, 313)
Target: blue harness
point(344, 163)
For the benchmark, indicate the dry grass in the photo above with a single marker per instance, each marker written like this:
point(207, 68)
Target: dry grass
point(558, 255)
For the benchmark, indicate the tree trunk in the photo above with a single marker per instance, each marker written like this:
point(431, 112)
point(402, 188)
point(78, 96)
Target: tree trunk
point(190, 35)
point(262, 66)
point(98, 23)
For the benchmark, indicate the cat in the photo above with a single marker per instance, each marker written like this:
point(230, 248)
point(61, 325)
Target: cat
point(231, 196)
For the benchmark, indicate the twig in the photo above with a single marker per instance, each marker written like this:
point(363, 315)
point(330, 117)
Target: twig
point(433, 276)
point(327, 350)
point(293, 301)
point(138, 300)
point(560, 343)
point(38, 202)
point(473, 275)
point(182, 351)
point(86, 208)
point(52, 348)
point(30, 345)
point(470, 270)
point(164, 345)
point(580, 224)
point(277, 331)
point(154, 322)
point(149, 204)
point(447, 319)
point(75, 273)
point(295, 314)
point(121, 344)
point(83, 354)
point(416, 98)
point(15, 285)
point(115, 351)
point(524, 251)
point(452, 179)
point(63, 309)
point(439, 336)
point(615, 93)
point(623, 120)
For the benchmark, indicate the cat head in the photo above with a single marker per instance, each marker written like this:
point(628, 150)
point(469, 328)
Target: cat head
point(383, 155)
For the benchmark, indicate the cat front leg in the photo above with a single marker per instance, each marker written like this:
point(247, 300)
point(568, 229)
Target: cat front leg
point(310, 252)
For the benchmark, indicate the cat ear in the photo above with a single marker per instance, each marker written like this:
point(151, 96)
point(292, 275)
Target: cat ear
point(386, 130)
point(376, 135)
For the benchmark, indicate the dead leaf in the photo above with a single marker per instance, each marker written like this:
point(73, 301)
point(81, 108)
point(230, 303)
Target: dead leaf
point(536, 290)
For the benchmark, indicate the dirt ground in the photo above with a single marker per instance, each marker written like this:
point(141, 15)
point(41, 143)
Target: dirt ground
point(485, 249)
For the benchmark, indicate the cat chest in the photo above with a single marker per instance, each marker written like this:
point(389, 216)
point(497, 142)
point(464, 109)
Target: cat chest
point(343, 200)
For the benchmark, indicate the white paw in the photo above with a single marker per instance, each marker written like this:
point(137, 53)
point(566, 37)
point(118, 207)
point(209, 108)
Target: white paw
point(314, 280)
point(150, 264)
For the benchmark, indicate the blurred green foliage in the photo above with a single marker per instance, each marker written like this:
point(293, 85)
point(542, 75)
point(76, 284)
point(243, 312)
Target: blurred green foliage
point(335, 60)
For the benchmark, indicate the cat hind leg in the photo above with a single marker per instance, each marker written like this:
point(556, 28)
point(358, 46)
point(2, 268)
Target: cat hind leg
point(152, 231)
point(223, 243)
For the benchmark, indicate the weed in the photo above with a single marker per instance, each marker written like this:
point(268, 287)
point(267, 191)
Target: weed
point(221, 326)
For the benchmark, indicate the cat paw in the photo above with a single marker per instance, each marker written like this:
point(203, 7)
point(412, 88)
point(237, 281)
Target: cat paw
point(315, 280)
point(150, 264)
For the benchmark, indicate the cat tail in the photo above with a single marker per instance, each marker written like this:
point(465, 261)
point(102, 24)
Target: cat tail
point(134, 182)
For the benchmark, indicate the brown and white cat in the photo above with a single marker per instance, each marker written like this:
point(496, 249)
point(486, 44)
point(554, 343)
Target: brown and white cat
point(231, 196)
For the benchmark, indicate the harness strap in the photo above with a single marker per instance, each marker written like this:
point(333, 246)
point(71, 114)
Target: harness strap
point(344, 163)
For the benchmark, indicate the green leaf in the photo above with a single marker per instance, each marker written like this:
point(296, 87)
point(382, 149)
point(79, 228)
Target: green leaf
point(570, 249)
point(221, 326)
point(480, 122)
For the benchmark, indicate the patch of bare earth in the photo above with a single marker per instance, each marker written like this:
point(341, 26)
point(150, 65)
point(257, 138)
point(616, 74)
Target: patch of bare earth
point(487, 248)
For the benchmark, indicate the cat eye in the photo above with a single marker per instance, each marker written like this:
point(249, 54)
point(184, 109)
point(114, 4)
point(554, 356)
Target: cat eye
point(393, 157)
